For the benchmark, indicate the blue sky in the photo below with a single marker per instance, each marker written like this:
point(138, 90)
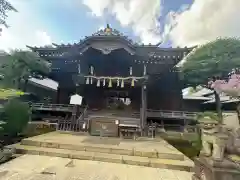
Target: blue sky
point(40, 22)
point(70, 22)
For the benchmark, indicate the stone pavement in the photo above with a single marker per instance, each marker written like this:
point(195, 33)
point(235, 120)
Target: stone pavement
point(142, 152)
point(35, 167)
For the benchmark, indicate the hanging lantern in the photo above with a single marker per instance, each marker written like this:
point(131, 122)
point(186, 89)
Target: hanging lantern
point(144, 70)
point(87, 80)
point(118, 83)
point(104, 82)
point(91, 80)
point(110, 83)
point(98, 83)
point(132, 83)
point(122, 83)
point(130, 71)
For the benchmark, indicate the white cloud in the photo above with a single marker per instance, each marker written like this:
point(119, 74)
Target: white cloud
point(24, 29)
point(140, 15)
point(101, 27)
point(204, 21)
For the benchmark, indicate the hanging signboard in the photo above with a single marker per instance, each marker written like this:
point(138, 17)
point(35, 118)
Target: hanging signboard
point(76, 99)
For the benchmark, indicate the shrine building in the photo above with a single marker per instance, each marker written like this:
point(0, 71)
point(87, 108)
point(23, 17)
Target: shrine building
point(126, 83)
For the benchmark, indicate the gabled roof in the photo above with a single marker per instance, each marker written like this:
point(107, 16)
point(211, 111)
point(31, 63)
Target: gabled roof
point(203, 92)
point(46, 82)
point(223, 98)
point(111, 34)
point(189, 97)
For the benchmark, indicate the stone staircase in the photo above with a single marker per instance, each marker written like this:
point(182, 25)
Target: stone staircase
point(99, 152)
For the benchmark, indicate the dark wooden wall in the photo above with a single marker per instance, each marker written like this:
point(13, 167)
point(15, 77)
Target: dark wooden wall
point(164, 93)
point(192, 105)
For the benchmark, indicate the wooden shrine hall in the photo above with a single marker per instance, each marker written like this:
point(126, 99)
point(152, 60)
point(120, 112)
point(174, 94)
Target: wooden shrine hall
point(123, 84)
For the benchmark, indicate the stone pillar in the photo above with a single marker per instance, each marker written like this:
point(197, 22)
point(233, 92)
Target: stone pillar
point(143, 107)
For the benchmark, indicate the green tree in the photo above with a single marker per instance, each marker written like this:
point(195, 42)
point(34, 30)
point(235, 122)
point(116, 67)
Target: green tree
point(16, 116)
point(18, 66)
point(212, 61)
point(5, 6)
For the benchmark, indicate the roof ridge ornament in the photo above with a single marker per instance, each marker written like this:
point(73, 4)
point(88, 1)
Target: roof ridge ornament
point(108, 31)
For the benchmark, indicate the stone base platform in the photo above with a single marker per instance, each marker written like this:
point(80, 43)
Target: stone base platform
point(35, 167)
point(143, 152)
point(208, 169)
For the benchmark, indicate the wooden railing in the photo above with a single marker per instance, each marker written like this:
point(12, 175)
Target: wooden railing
point(71, 124)
point(52, 107)
point(171, 114)
point(150, 112)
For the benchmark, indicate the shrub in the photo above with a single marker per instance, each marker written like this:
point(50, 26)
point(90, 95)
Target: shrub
point(207, 116)
point(16, 116)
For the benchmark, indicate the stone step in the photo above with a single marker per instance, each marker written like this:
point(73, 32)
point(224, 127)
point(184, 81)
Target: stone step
point(185, 165)
point(103, 149)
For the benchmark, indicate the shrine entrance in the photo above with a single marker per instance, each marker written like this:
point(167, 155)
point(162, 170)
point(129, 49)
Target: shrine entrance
point(117, 100)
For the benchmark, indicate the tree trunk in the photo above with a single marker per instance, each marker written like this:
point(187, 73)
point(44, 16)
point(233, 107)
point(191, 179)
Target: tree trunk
point(238, 112)
point(19, 83)
point(25, 85)
point(218, 107)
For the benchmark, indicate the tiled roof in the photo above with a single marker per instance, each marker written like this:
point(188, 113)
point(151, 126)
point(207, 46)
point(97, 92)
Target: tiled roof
point(189, 97)
point(46, 82)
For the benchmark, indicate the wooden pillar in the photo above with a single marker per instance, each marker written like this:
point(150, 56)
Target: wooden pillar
point(143, 107)
point(58, 96)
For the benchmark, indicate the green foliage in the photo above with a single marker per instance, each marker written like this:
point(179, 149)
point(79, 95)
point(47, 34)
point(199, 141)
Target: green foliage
point(5, 6)
point(209, 116)
point(37, 129)
point(19, 66)
point(190, 149)
point(10, 93)
point(16, 116)
point(214, 59)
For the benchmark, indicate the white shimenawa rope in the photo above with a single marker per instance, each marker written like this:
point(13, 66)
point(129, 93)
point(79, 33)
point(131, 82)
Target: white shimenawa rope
point(117, 77)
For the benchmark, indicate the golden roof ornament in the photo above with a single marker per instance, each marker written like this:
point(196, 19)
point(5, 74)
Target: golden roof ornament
point(108, 30)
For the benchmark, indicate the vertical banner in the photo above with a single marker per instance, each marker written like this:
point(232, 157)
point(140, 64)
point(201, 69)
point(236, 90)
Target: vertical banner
point(87, 80)
point(133, 82)
point(130, 71)
point(122, 83)
point(91, 70)
point(144, 70)
point(98, 83)
point(104, 82)
point(79, 69)
point(117, 82)
point(110, 83)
